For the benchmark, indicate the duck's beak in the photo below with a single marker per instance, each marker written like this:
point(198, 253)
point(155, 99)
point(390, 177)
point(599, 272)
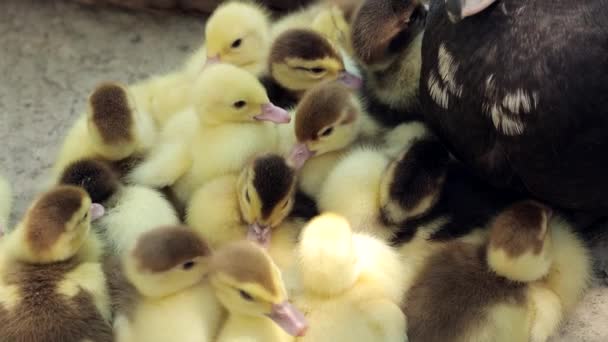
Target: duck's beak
point(350, 80)
point(259, 234)
point(289, 318)
point(274, 114)
point(96, 211)
point(212, 60)
point(299, 154)
point(460, 9)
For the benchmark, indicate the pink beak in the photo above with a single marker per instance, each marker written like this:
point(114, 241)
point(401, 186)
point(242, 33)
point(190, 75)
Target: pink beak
point(299, 155)
point(289, 318)
point(212, 60)
point(96, 211)
point(274, 114)
point(259, 234)
point(350, 80)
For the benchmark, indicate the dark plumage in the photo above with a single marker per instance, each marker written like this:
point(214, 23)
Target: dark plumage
point(111, 113)
point(272, 180)
point(518, 92)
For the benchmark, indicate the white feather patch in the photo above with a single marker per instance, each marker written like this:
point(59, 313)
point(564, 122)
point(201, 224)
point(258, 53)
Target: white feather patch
point(438, 93)
point(447, 71)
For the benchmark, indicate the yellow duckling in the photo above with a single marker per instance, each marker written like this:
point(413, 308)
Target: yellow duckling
point(238, 33)
point(525, 279)
point(52, 283)
point(351, 284)
point(113, 128)
point(206, 141)
point(169, 299)
point(300, 59)
point(131, 210)
point(250, 287)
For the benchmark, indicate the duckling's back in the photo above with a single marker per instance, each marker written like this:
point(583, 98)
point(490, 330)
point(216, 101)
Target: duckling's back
point(54, 303)
point(456, 297)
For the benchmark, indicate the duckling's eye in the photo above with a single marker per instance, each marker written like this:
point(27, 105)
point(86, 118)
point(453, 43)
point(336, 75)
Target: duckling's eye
point(247, 196)
point(188, 265)
point(246, 296)
point(239, 104)
point(236, 43)
point(317, 70)
point(326, 132)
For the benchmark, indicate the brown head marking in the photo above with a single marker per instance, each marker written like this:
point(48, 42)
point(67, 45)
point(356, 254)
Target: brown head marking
point(111, 113)
point(378, 24)
point(48, 216)
point(164, 248)
point(520, 228)
point(273, 179)
point(320, 107)
point(246, 262)
point(95, 176)
point(301, 43)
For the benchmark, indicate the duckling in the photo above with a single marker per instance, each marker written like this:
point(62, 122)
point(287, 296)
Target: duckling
point(167, 266)
point(112, 128)
point(328, 120)
point(300, 59)
point(387, 39)
point(250, 205)
point(6, 203)
point(250, 287)
point(52, 282)
point(360, 176)
point(131, 210)
point(351, 284)
point(530, 273)
point(205, 141)
point(237, 33)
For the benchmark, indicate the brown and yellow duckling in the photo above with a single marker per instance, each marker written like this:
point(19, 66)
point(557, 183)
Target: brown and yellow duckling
point(53, 284)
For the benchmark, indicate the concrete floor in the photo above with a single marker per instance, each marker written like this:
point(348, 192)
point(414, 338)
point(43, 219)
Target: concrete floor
point(54, 52)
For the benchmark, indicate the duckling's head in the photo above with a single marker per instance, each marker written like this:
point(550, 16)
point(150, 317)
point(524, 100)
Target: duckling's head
point(55, 226)
point(328, 261)
point(382, 29)
point(266, 190)
point(95, 176)
point(111, 115)
point(302, 58)
point(167, 260)
point(413, 183)
point(247, 282)
point(328, 118)
point(238, 33)
point(520, 246)
point(460, 9)
point(226, 93)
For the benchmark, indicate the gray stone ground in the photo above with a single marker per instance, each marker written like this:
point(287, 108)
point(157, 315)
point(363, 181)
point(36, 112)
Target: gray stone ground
point(52, 53)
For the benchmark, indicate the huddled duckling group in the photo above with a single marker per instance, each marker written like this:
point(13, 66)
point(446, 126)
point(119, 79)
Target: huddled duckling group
point(265, 191)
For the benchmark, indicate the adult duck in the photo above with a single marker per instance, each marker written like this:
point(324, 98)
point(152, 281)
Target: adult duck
point(518, 90)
